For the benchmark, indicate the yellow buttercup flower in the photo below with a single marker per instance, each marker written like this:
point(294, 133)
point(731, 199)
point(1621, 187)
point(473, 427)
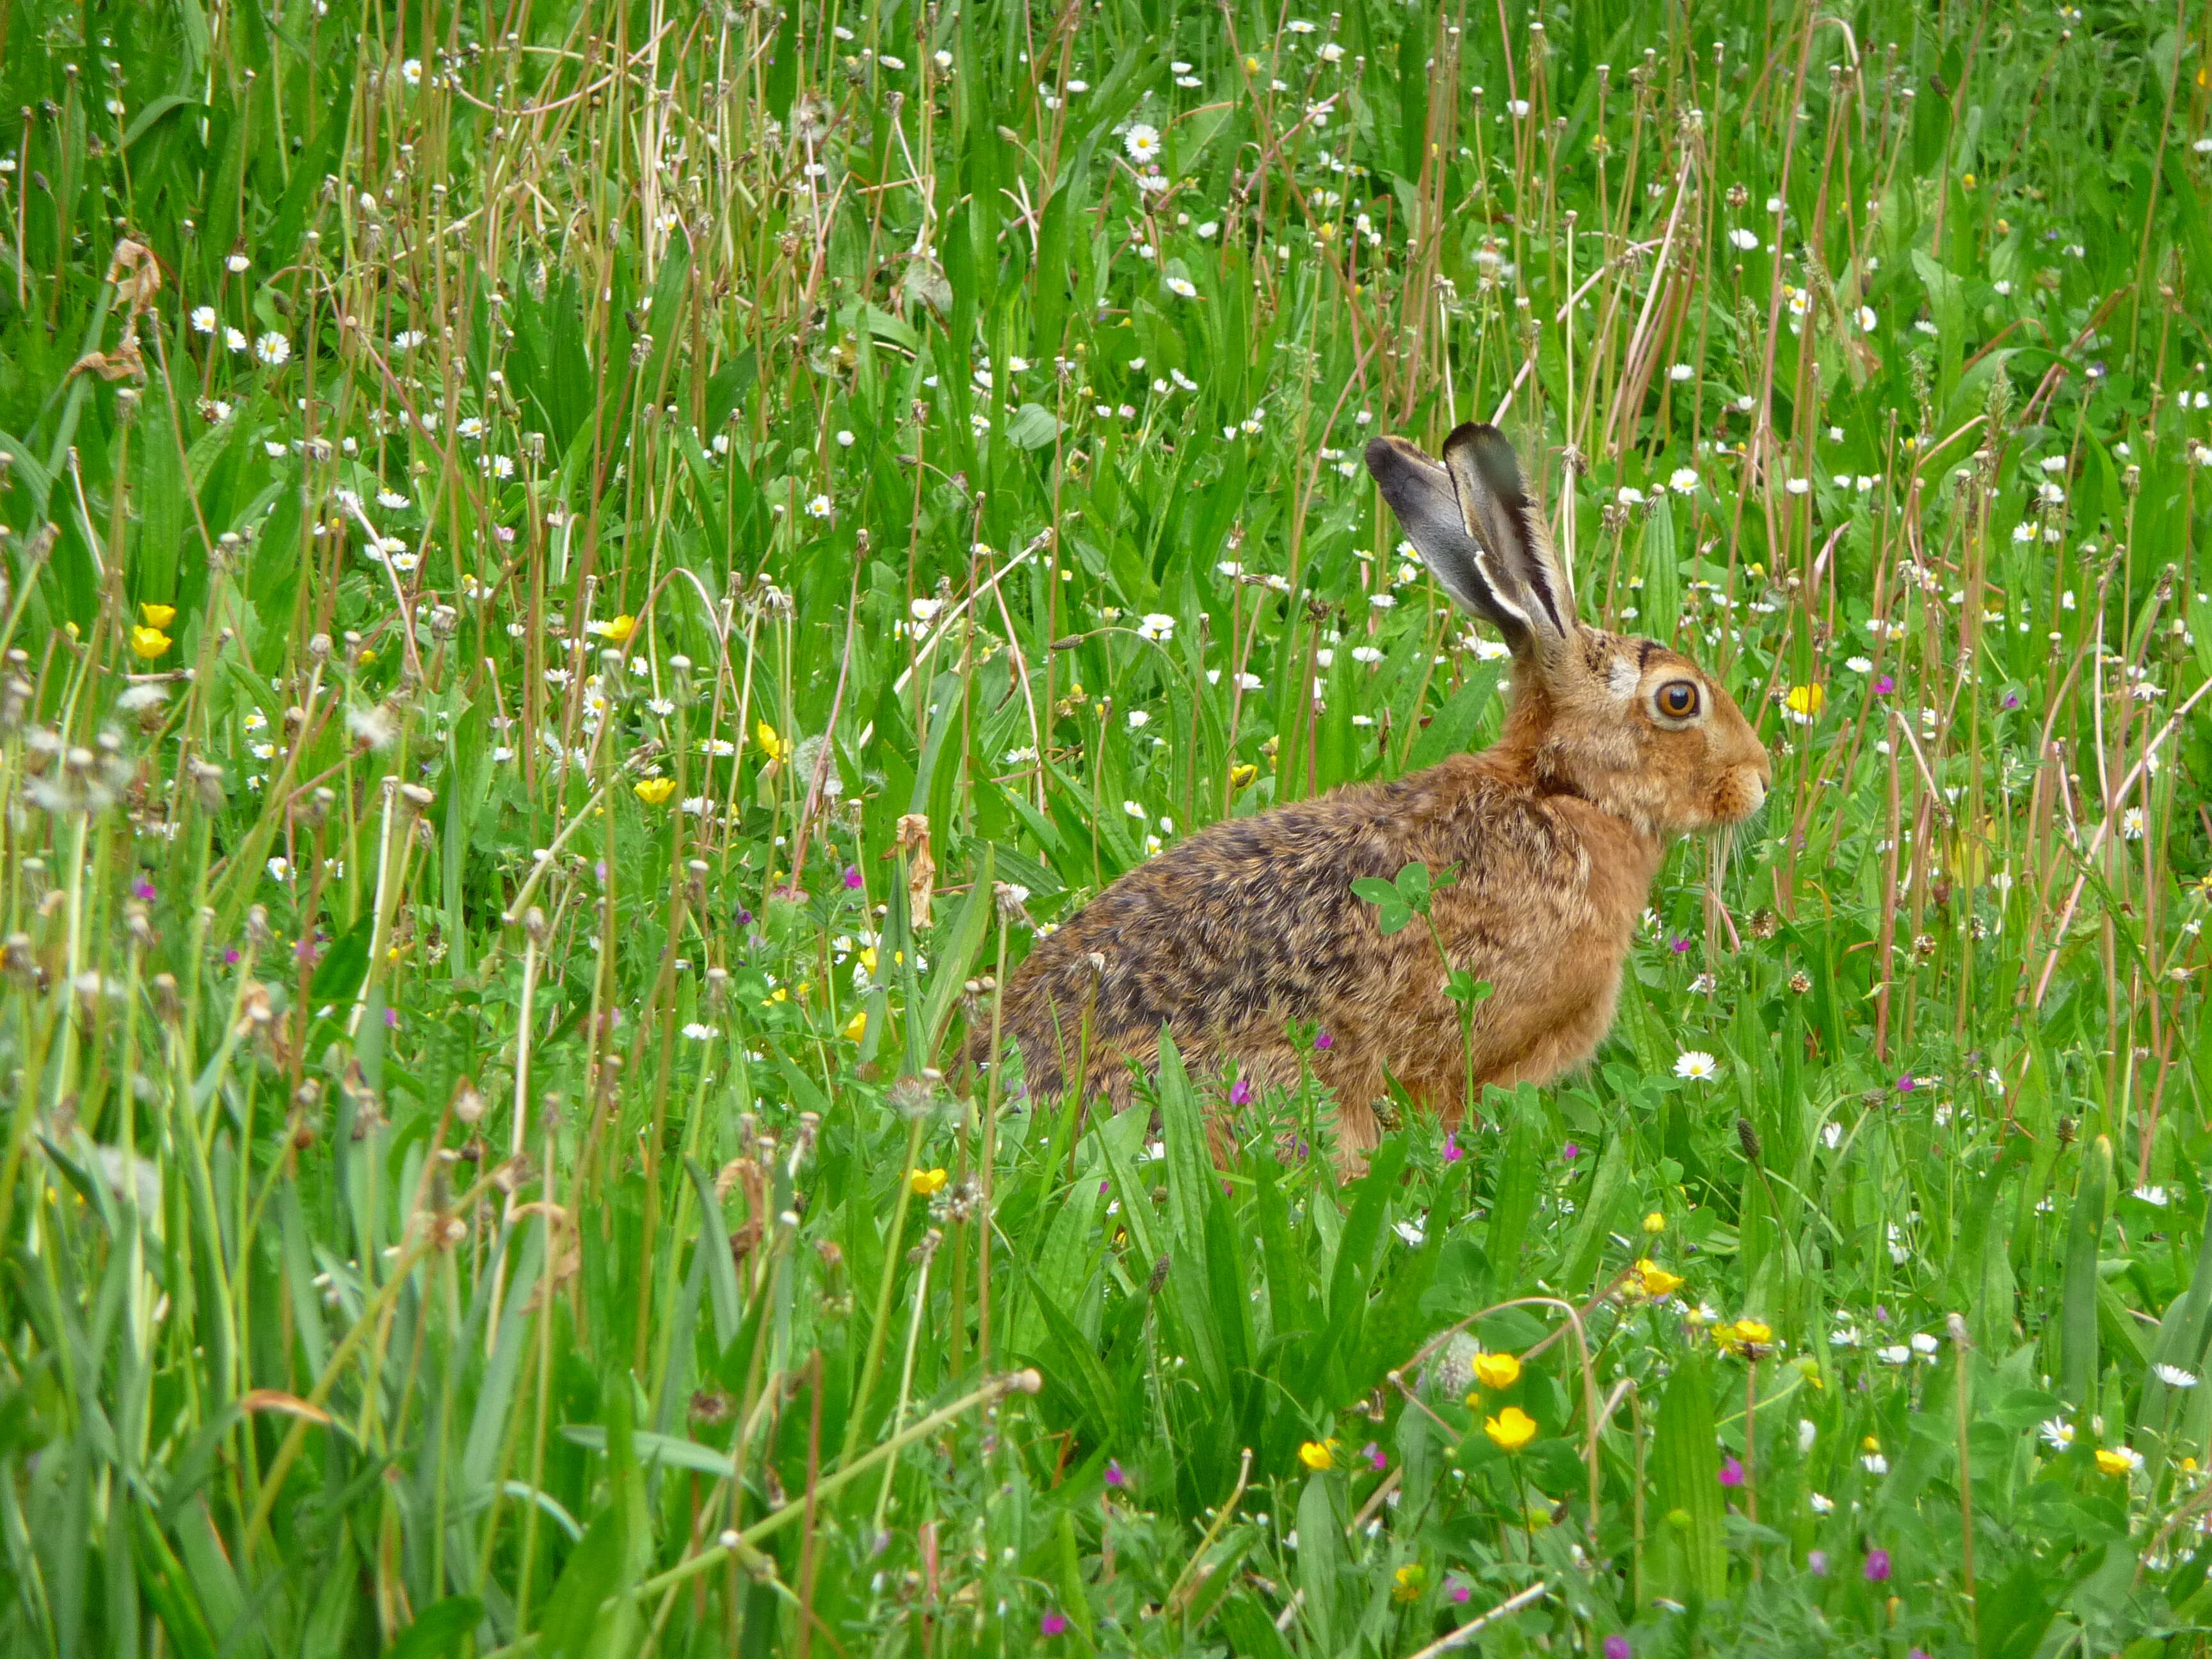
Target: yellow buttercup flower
point(149, 642)
point(1317, 1453)
point(771, 744)
point(868, 959)
point(1408, 1582)
point(1496, 1371)
point(2123, 1462)
point(620, 628)
point(1512, 1429)
point(1805, 700)
point(1241, 777)
point(1656, 1280)
point(157, 616)
point(655, 791)
point(927, 1182)
point(857, 1027)
point(1655, 1223)
point(1752, 1330)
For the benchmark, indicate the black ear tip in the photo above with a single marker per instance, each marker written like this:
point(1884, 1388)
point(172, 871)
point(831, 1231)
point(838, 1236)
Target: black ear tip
point(1381, 455)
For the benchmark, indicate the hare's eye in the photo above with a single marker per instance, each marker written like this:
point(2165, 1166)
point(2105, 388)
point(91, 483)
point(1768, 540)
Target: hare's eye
point(1678, 700)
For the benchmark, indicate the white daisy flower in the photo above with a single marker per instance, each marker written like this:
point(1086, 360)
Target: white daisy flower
point(1695, 1063)
point(1142, 140)
point(273, 350)
point(2173, 1377)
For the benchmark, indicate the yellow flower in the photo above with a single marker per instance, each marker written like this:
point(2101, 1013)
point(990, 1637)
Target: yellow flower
point(1241, 777)
point(2122, 1461)
point(621, 628)
point(779, 995)
point(771, 745)
point(1512, 1429)
point(2189, 1466)
point(926, 1182)
point(653, 792)
point(868, 959)
point(1496, 1371)
point(1968, 180)
point(1655, 1223)
point(157, 616)
point(1750, 1330)
point(1657, 1281)
point(1871, 1444)
point(857, 1027)
point(1317, 1453)
point(1805, 700)
point(149, 642)
point(1408, 1582)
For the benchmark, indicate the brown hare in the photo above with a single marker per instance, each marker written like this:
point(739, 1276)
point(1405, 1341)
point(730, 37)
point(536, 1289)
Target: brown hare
point(1612, 747)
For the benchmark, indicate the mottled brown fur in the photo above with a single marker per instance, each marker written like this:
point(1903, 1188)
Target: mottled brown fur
point(1555, 831)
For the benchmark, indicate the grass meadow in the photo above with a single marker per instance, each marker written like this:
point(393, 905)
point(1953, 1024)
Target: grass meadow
point(582, 580)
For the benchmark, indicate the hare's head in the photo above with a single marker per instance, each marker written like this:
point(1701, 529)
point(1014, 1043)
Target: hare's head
point(1626, 723)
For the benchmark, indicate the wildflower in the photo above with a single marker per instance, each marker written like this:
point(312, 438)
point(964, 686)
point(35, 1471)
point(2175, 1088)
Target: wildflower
point(2124, 1461)
point(1323, 1039)
point(203, 319)
point(1742, 239)
point(1874, 1463)
point(2057, 1433)
point(927, 1182)
point(1657, 1283)
point(1138, 719)
point(1695, 1063)
point(235, 339)
point(2173, 1377)
point(1115, 1475)
point(274, 350)
point(617, 631)
point(1804, 702)
point(2132, 824)
point(1655, 1224)
point(655, 791)
point(818, 508)
point(1683, 481)
point(1318, 1454)
point(1374, 1457)
point(698, 1031)
point(156, 616)
point(1883, 686)
point(1821, 1502)
point(149, 642)
point(1453, 1150)
point(1681, 372)
point(1877, 1566)
point(1183, 287)
point(1408, 1582)
point(1731, 1474)
point(1156, 625)
point(1243, 776)
point(1142, 140)
point(855, 1027)
point(1496, 1371)
point(1054, 1624)
point(1510, 1429)
point(773, 747)
point(1616, 1647)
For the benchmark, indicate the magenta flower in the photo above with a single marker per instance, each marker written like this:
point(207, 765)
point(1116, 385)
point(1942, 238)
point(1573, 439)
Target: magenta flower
point(1571, 1152)
point(1907, 1084)
point(1323, 1039)
point(1677, 944)
point(1731, 1472)
point(1877, 1566)
point(1453, 1150)
point(1459, 1590)
point(1055, 1624)
point(1115, 1475)
point(1376, 1458)
point(1883, 686)
point(852, 875)
point(1616, 1646)
point(1240, 1092)
point(230, 958)
point(143, 890)
point(1816, 1562)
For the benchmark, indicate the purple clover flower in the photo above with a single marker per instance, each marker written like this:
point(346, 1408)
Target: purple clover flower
point(1616, 1646)
point(1877, 1566)
point(852, 875)
point(1731, 1471)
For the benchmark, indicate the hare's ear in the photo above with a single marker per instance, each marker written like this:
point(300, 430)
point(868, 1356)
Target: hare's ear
point(1486, 478)
point(1422, 494)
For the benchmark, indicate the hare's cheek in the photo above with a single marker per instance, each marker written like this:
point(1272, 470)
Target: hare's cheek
point(1742, 793)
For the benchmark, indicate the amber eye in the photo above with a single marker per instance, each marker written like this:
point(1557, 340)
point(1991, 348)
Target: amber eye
point(1678, 700)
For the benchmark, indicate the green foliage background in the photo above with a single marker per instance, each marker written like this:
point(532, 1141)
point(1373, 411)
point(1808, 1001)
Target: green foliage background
point(580, 580)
